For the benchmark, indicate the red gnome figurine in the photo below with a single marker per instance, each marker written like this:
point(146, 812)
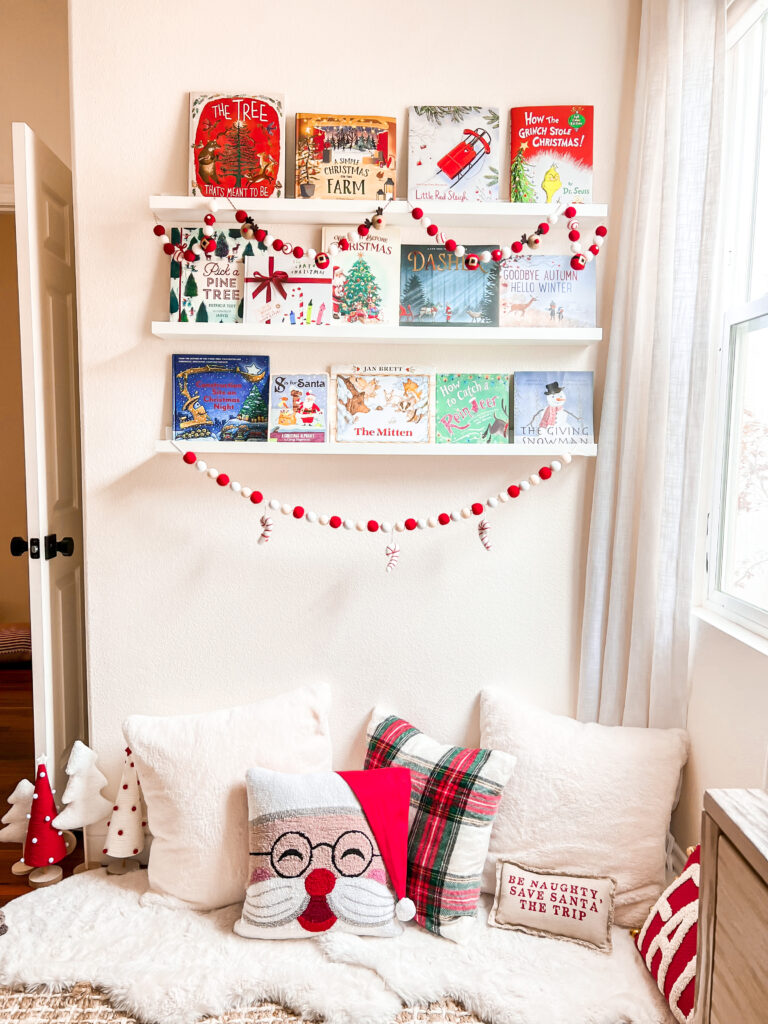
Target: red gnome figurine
point(44, 844)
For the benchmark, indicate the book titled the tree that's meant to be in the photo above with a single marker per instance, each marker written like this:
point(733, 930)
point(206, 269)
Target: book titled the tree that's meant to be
point(472, 408)
point(236, 145)
point(298, 407)
point(553, 407)
point(436, 289)
point(383, 404)
point(551, 154)
point(220, 398)
point(366, 276)
point(346, 156)
point(210, 288)
point(453, 154)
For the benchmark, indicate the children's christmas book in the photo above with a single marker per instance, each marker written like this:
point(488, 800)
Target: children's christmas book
point(298, 407)
point(453, 153)
point(366, 277)
point(344, 156)
point(551, 155)
point(210, 289)
point(280, 289)
point(545, 291)
point(221, 398)
point(384, 403)
point(472, 408)
point(437, 289)
point(553, 407)
point(236, 145)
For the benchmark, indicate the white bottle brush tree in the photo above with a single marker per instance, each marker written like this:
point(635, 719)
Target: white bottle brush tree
point(84, 804)
point(125, 828)
point(16, 820)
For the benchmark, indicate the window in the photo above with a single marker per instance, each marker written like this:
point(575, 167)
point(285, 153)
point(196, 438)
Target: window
point(737, 556)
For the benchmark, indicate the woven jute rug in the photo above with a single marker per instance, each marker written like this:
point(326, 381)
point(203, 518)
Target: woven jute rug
point(85, 1005)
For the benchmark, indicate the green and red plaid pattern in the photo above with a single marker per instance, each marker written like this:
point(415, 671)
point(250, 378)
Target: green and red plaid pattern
point(455, 793)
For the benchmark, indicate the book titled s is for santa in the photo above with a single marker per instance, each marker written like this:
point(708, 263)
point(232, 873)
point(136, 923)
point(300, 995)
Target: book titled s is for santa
point(551, 154)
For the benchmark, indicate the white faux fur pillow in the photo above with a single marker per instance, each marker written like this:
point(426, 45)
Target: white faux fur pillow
point(192, 772)
point(584, 798)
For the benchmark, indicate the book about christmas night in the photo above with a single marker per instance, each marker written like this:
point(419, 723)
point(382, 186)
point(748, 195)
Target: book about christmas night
point(366, 276)
point(551, 154)
point(553, 407)
point(220, 398)
point(210, 288)
point(298, 407)
point(472, 408)
point(236, 145)
point(543, 290)
point(436, 289)
point(383, 404)
point(346, 156)
point(280, 289)
point(453, 154)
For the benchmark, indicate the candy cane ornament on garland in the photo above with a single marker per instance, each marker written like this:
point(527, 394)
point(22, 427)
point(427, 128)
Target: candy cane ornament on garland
point(393, 555)
point(483, 529)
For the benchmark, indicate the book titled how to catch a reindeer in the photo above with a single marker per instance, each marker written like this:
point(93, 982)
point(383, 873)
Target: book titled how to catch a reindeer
point(366, 276)
point(545, 291)
point(236, 145)
point(221, 398)
point(553, 407)
point(436, 289)
point(453, 154)
point(346, 156)
point(298, 407)
point(551, 154)
point(383, 403)
point(472, 408)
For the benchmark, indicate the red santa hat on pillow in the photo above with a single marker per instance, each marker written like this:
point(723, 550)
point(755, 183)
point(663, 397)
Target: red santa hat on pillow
point(385, 796)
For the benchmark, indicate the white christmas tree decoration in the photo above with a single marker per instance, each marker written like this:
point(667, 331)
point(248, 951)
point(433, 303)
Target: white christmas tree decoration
point(84, 803)
point(17, 819)
point(125, 828)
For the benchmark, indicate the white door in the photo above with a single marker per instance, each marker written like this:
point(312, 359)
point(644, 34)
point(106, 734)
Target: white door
point(50, 390)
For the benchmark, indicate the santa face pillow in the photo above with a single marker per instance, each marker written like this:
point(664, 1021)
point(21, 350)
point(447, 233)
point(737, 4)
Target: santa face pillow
point(327, 851)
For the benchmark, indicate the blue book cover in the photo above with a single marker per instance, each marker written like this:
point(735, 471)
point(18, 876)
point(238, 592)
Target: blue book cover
point(553, 407)
point(221, 398)
point(542, 290)
point(437, 289)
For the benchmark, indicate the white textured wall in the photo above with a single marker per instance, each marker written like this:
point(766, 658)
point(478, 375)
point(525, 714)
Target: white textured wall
point(184, 612)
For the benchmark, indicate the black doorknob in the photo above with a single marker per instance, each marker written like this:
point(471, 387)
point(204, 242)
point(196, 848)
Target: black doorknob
point(18, 546)
point(65, 546)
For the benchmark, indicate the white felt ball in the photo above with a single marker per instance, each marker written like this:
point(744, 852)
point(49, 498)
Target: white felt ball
point(29, 816)
point(459, 251)
point(576, 247)
point(324, 520)
point(351, 236)
point(197, 249)
point(286, 510)
point(455, 517)
point(164, 239)
point(386, 527)
point(567, 458)
point(431, 522)
point(535, 479)
point(333, 249)
point(399, 526)
point(348, 524)
point(552, 218)
point(274, 504)
point(201, 465)
point(207, 230)
point(421, 523)
point(235, 486)
point(405, 909)
point(466, 512)
point(506, 252)
point(491, 502)
point(359, 525)
point(555, 466)
point(485, 256)
point(269, 240)
point(426, 223)
point(50, 860)
point(524, 485)
point(502, 496)
point(311, 517)
point(34, 840)
point(311, 253)
point(213, 205)
point(47, 817)
point(245, 492)
point(212, 473)
point(597, 240)
point(589, 256)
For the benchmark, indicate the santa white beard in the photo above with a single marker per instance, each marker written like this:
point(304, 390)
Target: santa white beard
point(360, 903)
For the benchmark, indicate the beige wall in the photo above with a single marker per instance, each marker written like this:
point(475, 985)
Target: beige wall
point(184, 611)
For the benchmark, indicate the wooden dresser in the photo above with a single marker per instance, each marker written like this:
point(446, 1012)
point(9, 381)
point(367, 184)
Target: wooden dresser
point(732, 982)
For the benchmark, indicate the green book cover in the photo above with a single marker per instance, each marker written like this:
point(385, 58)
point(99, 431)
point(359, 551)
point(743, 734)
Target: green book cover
point(472, 408)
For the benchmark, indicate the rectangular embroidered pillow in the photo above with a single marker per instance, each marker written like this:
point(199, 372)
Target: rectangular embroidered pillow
point(578, 908)
point(455, 793)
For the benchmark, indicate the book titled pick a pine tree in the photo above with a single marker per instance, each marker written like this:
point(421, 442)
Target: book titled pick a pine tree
point(210, 288)
point(366, 276)
point(551, 154)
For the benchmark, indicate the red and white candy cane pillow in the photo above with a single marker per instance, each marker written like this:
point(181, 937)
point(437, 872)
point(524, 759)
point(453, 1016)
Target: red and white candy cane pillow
point(667, 940)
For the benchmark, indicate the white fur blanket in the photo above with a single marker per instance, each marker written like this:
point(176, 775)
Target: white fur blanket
point(166, 965)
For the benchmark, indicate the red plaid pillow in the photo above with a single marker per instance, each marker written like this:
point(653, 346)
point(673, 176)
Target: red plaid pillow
point(667, 940)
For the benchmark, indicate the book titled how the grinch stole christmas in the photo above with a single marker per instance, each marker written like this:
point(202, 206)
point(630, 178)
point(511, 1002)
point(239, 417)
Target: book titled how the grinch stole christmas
point(298, 407)
point(280, 289)
point(551, 154)
point(366, 276)
point(383, 403)
point(453, 154)
point(436, 288)
point(236, 145)
point(553, 407)
point(545, 291)
point(210, 288)
point(472, 408)
point(221, 398)
point(346, 156)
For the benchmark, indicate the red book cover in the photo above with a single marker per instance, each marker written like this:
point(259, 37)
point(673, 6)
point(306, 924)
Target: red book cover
point(551, 154)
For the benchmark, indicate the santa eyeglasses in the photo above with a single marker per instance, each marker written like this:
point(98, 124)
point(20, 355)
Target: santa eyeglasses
point(292, 852)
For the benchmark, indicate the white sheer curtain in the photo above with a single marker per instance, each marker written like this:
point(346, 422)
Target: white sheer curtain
point(635, 635)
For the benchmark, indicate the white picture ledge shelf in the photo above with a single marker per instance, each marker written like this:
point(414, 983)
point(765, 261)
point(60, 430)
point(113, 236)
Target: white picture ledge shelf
point(189, 211)
point(286, 448)
point(392, 334)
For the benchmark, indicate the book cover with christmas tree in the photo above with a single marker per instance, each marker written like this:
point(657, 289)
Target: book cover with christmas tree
point(298, 407)
point(544, 290)
point(280, 289)
point(551, 154)
point(472, 408)
point(236, 145)
point(220, 398)
point(383, 403)
point(366, 276)
point(553, 407)
point(453, 153)
point(346, 156)
point(436, 289)
point(209, 289)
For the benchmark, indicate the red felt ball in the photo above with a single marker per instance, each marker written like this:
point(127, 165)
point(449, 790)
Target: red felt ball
point(343, 244)
point(545, 472)
point(595, 250)
point(114, 808)
point(335, 522)
point(169, 248)
point(240, 216)
point(570, 211)
point(209, 246)
point(602, 231)
point(432, 230)
point(260, 234)
point(574, 235)
point(222, 479)
point(372, 526)
point(543, 228)
point(410, 524)
point(513, 490)
point(105, 849)
point(143, 824)
point(497, 255)
point(450, 245)
point(477, 508)
point(298, 512)
point(209, 219)
point(257, 497)
point(578, 262)
point(277, 245)
point(443, 519)
point(417, 213)
point(133, 808)
point(298, 252)
point(119, 831)
point(159, 230)
point(190, 458)
point(125, 786)
point(517, 247)
point(362, 230)
point(189, 256)
point(322, 260)
point(135, 851)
